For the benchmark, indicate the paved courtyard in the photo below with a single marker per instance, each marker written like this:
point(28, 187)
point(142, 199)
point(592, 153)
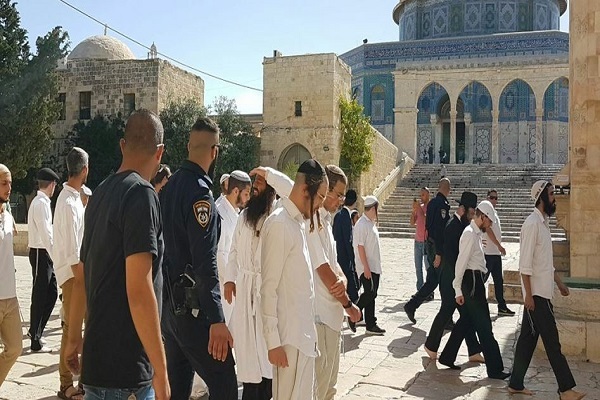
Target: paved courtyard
point(393, 366)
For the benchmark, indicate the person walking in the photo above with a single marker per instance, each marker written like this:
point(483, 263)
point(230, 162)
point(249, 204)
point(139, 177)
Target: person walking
point(417, 219)
point(438, 214)
point(68, 236)
point(195, 334)
point(287, 289)
point(453, 232)
point(470, 290)
point(120, 258)
point(342, 234)
point(537, 282)
point(368, 263)
point(493, 249)
point(40, 236)
point(10, 319)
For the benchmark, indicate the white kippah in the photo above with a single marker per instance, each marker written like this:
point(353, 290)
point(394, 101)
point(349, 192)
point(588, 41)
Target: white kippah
point(223, 178)
point(240, 176)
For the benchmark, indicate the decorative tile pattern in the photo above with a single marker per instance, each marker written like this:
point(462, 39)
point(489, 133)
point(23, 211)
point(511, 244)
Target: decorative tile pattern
point(509, 142)
point(477, 102)
point(532, 143)
point(517, 102)
point(456, 18)
point(472, 17)
point(483, 144)
point(507, 16)
point(490, 17)
point(424, 139)
point(541, 20)
point(426, 25)
point(410, 24)
point(440, 21)
point(429, 102)
point(556, 101)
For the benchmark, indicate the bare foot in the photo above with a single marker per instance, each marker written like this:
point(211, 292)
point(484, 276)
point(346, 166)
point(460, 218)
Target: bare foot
point(571, 395)
point(431, 354)
point(477, 358)
point(524, 391)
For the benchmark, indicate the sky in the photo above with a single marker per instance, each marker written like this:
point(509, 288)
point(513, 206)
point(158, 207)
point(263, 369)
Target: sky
point(227, 38)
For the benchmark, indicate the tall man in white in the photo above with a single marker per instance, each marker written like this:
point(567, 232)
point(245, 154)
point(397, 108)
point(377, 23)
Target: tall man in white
point(537, 281)
point(236, 197)
point(287, 290)
point(68, 235)
point(39, 231)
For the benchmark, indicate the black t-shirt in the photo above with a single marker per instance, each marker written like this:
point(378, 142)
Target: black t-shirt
point(122, 218)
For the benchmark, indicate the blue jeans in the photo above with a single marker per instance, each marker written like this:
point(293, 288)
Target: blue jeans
point(96, 393)
point(419, 255)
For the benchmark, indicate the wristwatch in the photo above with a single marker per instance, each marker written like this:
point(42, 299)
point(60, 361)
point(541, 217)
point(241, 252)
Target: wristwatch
point(348, 305)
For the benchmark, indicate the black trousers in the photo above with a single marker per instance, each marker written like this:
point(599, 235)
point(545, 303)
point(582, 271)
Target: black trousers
point(536, 323)
point(44, 292)
point(353, 284)
point(442, 318)
point(186, 347)
point(494, 267)
point(475, 313)
point(431, 281)
point(367, 298)
point(258, 391)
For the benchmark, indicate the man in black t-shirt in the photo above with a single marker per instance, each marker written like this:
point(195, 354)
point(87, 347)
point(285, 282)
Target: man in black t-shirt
point(123, 355)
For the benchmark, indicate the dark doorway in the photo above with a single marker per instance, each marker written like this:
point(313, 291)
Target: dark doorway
point(460, 142)
point(445, 142)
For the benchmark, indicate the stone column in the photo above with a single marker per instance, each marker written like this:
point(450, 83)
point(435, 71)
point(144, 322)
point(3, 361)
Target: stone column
point(495, 137)
point(468, 139)
point(584, 124)
point(539, 135)
point(436, 132)
point(453, 136)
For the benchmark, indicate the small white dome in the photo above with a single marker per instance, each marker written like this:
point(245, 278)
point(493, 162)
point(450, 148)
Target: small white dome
point(101, 47)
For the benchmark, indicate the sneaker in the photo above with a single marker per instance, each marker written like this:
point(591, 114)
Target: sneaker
point(505, 311)
point(429, 298)
point(410, 314)
point(375, 330)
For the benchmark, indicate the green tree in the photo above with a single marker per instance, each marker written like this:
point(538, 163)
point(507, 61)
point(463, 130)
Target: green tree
point(357, 137)
point(100, 138)
point(177, 119)
point(28, 91)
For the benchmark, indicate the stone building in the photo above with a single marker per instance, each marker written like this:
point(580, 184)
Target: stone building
point(482, 80)
point(102, 76)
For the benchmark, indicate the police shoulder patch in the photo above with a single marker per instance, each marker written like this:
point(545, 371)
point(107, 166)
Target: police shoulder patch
point(202, 212)
point(443, 211)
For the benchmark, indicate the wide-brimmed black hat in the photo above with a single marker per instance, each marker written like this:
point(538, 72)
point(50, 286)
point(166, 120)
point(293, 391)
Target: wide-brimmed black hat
point(468, 199)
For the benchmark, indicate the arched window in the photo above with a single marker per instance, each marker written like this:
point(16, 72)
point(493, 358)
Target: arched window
point(294, 155)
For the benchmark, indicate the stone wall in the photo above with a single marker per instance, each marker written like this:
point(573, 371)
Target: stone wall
point(175, 83)
point(385, 155)
point(317, 82)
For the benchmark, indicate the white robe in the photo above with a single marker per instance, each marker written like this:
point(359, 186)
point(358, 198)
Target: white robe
point(229, 217)
point(246, 323)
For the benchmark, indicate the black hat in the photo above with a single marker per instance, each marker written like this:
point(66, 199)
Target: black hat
point(468, 199)
point(351, 197)
point(46, 174)
point(311, 167)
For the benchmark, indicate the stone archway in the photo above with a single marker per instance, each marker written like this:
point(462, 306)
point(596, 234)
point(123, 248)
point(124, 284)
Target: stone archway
point(293, 155)
point(556, 122)
point(478, 122)
point(517, 123)
point(429, 122)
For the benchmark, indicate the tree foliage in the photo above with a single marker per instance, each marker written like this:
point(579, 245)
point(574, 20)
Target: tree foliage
point(357, 137)
point(100, 138)
point(28, 91)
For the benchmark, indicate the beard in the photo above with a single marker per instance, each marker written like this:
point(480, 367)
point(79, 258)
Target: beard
point(211, 169)
point(550, 209)
point(259, 205)
point(4, 200)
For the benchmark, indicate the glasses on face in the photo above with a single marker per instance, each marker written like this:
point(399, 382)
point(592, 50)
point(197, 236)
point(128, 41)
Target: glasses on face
point(340, 196)
point(321, 197)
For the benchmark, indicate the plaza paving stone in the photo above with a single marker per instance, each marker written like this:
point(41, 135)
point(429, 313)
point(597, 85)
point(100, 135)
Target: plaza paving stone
point(393, 366)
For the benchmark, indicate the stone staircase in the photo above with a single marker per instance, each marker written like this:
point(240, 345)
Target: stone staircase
point(512, 181)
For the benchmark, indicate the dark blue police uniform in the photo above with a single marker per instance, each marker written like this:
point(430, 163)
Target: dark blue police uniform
point(438, 214)
point(192, 296)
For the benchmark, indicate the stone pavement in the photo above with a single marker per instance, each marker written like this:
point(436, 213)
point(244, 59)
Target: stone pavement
point(393, 366)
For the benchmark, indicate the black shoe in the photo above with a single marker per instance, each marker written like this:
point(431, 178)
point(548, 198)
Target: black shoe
point(449, 364)
point(352, 325)
point(449, 326)
point(429, 298)
point(410, 314)
point(505, 311)
point(375, 330)
point(501, 375)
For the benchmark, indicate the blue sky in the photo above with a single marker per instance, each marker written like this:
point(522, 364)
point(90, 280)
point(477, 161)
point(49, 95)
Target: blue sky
point(228, 38)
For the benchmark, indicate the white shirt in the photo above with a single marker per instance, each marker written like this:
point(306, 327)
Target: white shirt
point(470, 255)
point(490, 249)
point(8, 285)
point(68, 233)
point(39, 223)
point(536, 259)
point(366, 234)
point(229, 217)
point(287, 291)
point(321, 247)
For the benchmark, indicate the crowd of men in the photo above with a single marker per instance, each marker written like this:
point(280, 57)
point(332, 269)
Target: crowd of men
point(170, 281)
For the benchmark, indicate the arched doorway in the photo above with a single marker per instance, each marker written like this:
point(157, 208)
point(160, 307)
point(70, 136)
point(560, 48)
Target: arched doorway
point(556, 122)
point(459, 148)
point(292, 157)
point(517, 123)
point(429, 123)
point(478, 122)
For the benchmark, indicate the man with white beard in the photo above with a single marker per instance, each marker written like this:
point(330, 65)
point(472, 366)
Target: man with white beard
point(236, 197)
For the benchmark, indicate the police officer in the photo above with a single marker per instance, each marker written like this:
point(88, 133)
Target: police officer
point(438, 214)
point(196, 337)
